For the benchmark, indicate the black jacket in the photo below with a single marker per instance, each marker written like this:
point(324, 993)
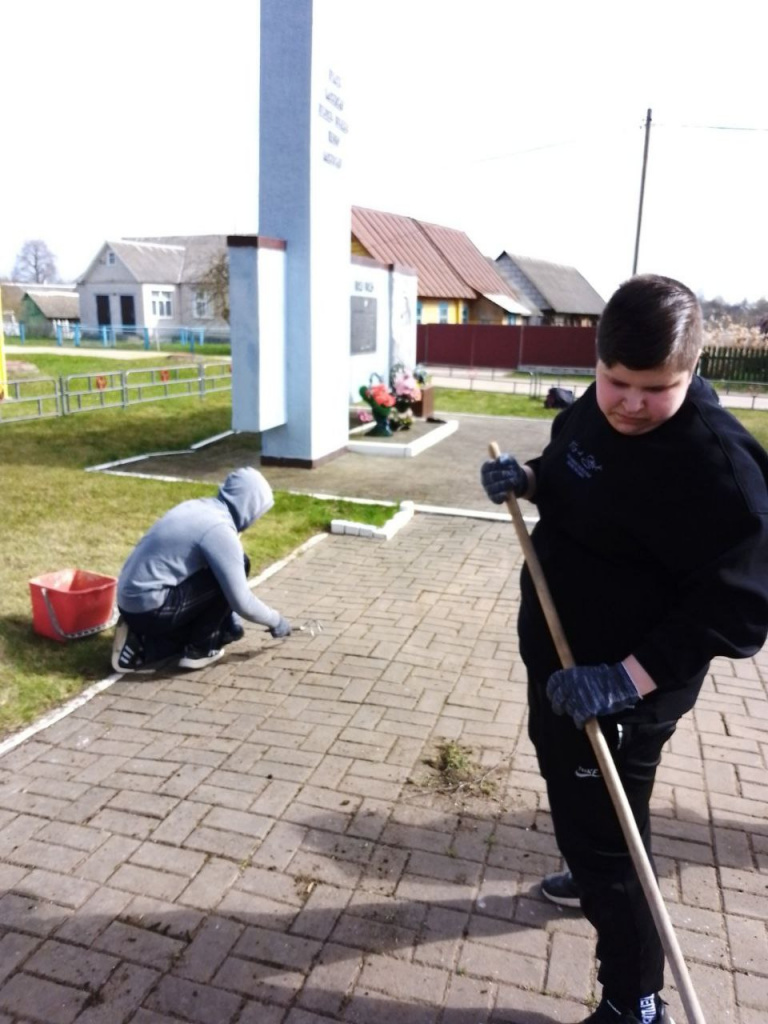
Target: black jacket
point(654, 545)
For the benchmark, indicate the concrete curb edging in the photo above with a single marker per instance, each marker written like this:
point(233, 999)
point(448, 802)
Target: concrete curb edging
point(400, 519)
point(57, 714)
point(105, 467)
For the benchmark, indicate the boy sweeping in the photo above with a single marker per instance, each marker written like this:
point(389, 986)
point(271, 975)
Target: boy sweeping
point(653, 538)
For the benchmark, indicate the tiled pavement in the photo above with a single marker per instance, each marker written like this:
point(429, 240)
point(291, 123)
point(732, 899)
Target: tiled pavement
point(262, 842)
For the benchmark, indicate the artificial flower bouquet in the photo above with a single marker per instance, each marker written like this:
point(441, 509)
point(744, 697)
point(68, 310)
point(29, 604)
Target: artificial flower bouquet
point(391, 405)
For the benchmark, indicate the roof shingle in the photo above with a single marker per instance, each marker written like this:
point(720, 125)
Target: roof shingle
point(63, 305)
point(448, 264)
point(150, 262)
point(467, 260)
point(563, 287)
point(392, 238)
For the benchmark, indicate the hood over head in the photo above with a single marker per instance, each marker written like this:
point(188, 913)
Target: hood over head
point(247, 495)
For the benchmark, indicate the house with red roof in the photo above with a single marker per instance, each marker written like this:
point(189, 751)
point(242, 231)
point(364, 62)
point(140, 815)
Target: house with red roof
point(456, 283)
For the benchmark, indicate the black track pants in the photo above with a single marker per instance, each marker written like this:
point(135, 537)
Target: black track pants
point(591, 841)
point(194, 612)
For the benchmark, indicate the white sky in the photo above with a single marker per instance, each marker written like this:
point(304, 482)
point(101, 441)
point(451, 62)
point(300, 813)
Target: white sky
point(521, 123)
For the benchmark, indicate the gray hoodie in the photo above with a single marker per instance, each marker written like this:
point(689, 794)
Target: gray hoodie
point(198, 534)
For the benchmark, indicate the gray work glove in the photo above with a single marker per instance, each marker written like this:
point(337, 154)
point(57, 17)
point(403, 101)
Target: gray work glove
point(283, 628)
point(502, 475)
point(586, 691)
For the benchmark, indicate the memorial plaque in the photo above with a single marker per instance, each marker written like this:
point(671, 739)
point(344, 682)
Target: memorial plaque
point(362, 323)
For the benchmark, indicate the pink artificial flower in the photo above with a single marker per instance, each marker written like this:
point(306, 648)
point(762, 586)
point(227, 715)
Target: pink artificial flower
point(381, 396)
point(406, 387)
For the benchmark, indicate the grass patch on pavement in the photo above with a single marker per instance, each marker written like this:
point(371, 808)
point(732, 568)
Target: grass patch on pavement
point(455, 771)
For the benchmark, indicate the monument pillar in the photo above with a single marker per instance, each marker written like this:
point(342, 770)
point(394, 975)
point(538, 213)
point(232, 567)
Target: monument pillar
point(303, 201)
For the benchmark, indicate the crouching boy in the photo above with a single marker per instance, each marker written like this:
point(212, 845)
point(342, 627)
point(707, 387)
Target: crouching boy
point(184, 588)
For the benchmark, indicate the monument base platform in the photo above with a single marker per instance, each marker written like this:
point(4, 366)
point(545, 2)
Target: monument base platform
point(407, 444)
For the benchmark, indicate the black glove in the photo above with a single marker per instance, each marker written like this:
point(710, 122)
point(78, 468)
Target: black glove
point(502, 475)
point(283, 628)
point(586, 691)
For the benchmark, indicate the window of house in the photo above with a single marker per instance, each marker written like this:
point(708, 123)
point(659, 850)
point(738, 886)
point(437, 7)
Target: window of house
point(202, 304)
point(162, 304)
point(465, 314)
point(442, 313)
point(111, 259)
point(419, 311)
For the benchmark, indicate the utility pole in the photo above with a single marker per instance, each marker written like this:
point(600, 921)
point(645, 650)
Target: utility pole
point(642, 188)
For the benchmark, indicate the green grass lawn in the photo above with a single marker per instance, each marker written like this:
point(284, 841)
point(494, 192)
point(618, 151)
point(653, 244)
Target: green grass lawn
point(491, 403)
point(56, 515)
point(755, 422)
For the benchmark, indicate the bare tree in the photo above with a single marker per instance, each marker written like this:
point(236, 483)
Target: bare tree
point(35, 262)
point(744, 313)
point(215, 280)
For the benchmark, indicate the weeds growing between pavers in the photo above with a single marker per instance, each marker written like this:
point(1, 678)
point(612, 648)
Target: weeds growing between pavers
point(455, 773)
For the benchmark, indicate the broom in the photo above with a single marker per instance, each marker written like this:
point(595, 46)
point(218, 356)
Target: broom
point(610, 775)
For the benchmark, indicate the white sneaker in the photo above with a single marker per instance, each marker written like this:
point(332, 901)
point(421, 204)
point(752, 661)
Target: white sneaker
point(199, 657)
point(127, 652)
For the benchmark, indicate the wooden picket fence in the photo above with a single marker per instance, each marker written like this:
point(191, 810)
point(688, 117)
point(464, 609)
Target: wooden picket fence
point(748, 365)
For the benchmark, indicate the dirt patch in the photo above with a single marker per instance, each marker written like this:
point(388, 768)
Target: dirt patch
point(18, 368)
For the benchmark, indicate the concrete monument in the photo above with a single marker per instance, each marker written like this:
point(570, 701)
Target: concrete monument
point(310, 323)
point(290, 343)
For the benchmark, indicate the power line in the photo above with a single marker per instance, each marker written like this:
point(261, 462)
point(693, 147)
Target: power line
point(585, 141)
point(721, 127)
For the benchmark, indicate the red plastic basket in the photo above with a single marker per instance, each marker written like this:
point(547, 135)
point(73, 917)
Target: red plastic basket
point(71, 603)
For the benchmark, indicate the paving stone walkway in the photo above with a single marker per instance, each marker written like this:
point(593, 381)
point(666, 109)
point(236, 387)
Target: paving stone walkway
point(262, 842)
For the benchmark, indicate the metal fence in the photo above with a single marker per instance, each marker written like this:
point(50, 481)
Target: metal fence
point(66, 333)
point(43, 397)
point(30, 399)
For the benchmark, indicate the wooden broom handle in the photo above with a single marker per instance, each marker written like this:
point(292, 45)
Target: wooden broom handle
point(609, 773)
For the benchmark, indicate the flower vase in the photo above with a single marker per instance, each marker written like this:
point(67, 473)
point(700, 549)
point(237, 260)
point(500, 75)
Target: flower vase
point(382, 428)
